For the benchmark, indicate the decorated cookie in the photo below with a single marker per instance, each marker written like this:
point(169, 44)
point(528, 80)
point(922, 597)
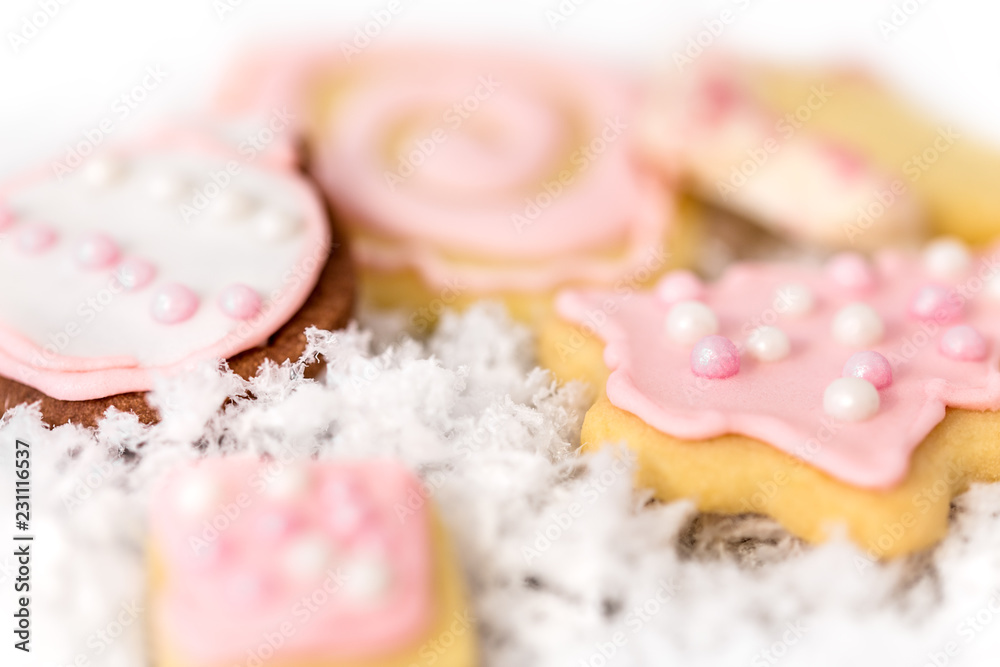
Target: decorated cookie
point(152, 257)
point(946, 168)
point(710, 128)
point(464, 175)
point(857, 394)
point(295, 564)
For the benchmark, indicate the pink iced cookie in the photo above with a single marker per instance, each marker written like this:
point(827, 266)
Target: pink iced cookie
point(849, 379)
point(498, 171)
point(337, 558)
point(708, 127)
point(121, 258)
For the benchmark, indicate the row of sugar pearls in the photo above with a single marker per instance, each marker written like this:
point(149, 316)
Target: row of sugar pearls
point(854, 396)
point(174, 303)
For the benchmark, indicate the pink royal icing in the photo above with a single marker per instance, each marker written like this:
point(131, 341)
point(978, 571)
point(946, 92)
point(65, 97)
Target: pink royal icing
point(895, 391)
point(83, 334)
point(499, 159)
point(249, 547)
point(708, 126)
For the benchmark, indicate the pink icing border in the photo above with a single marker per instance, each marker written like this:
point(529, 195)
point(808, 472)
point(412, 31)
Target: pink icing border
point(73, 379)
point(781, 402)
point(334, 630)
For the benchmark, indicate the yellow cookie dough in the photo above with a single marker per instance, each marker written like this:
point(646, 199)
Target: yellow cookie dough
point(736, 474)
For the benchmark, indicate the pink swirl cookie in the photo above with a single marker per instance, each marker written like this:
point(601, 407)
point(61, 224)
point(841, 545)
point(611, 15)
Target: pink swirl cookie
point(709, 127)
point(152, 257)
point(837, 380)
point(468, 174)
point(300, 564)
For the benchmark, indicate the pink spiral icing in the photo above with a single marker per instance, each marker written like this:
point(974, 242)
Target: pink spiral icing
point(932, 365)
point(247, 544)
point(523, 164)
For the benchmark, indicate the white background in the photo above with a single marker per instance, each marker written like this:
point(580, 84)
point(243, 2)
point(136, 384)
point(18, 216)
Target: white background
point(65, 79)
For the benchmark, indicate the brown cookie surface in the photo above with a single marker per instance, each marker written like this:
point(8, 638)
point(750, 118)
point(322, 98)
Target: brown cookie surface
point(328, 306)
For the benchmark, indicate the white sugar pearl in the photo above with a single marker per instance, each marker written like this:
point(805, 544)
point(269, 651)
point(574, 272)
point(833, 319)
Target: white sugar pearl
point(197, 495)
point(851, 399)
point(946, 258)
point(231, 206)
point(768, 344)
point(857, 325)
point(103, 170)
point(307, 558)
point(690, 321)
point(167, 188)
point(793, 299)
point(273, 225)
point(290, 482)
point(365, 578)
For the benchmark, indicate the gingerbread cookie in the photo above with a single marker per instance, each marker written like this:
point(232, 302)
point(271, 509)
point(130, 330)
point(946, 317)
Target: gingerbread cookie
point(302, 564)
point(155, 256)
point(711, 129)
point(461, 176)
point(855, 395)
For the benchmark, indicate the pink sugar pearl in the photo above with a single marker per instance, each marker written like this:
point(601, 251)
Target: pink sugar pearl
point(96, 251)
point(932, 303)
point(6, 217)
point(134, 273)
point(239, 302)
point(679, 285)
point(963, 343)
point(33, 239)
point(871, 366)
point(715, 357)
point(173, 303)
point(851, 270)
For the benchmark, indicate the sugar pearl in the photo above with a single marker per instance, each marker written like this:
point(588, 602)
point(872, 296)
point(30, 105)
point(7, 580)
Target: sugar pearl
point(851, 271)
point(366, 578)
point(33, 239)
point(134, 273)
point(197, 495)
point(173, 303)
point(857, 325)
point(793, 299)
point(932, 302)
point(6, 218)
point(690, 321)
point(680, 285)
point(96, 251)
point(239, 302)
point(273, 225)
point(963, 343)
point(871, 366)
point(231, 206)
point(715, 357)
point(768, 344)
point(290, 482)
point(103, 170)
point(167, 188)
point(851, 399)
point(306, 558)
point(946, 258)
